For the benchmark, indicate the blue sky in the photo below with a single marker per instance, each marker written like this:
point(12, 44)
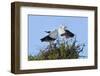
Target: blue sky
point(38, 24)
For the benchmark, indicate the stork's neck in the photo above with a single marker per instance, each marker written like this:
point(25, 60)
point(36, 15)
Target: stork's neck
point(61, 30)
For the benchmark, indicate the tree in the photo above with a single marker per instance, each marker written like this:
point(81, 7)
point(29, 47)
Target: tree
point(69, 49)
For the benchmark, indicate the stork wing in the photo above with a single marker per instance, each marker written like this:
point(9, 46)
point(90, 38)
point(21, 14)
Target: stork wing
point(53, 34)
point(70, 34)
point(47, 39)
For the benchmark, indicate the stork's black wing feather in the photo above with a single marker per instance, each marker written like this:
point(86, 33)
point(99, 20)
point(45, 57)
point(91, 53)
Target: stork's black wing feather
point(47, 38)
point(69, 33)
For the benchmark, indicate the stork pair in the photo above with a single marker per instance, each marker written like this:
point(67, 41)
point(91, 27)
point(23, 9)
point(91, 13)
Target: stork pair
point(53, 35)
point(61, 32)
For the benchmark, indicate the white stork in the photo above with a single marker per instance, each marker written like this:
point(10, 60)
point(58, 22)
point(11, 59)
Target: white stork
point(63, 31)
point(50, 38)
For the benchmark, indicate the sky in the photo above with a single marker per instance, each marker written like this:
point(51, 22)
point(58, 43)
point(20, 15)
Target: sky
point(38, 24)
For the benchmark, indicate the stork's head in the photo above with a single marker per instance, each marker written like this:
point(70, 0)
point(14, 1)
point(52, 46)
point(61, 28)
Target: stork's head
point(62, 29)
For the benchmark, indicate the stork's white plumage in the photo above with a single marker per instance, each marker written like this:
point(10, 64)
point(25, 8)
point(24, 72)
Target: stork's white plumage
point(61, 29)
point(54, 34)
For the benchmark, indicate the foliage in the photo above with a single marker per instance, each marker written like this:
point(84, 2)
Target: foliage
point(64, 50)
